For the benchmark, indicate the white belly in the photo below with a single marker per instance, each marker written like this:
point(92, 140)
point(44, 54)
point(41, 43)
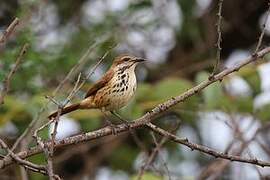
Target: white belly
point(122, 91)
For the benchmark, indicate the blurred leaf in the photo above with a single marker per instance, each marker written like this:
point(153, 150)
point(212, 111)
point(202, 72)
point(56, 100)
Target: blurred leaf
point(140, 5)
point(170, 87)
point(132, 111)
point(38, 158)
point(251, 75)
point(213, 94)
point(89, 119)
point(263, 113)
point(14, 110)
point(38, 176)
point(37, 101)
point(148, 176)
point(244, 104)
point(44, 133)
point(144, 92)
point(124, 154)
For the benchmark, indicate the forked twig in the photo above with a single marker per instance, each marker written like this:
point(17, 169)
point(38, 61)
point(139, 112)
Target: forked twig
point(4, 36)
point(7, 79)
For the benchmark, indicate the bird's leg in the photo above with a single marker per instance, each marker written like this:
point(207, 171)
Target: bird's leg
point(109, 123)
point(121, 119)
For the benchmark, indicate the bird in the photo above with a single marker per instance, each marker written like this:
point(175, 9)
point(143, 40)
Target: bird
point(112, 91)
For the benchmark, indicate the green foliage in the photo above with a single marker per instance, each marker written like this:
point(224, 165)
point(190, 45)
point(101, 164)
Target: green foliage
point(43, 69)
point(263, 113)
point(148, 176)
point(214, 97)
point(140, 5)
point(190, 31)
point(89, 119)
point(38, 158)
point(170, 87)
point(14, 110)
point(38, 176)
point(124, 154)
point(251, 75)
point(213, 94)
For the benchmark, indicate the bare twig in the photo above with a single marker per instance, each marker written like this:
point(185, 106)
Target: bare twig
point(205, 149)
point(158, 146)
point(49, 169)
point(219, 39)
point(154, 153)
point(152, 156)
point(49, 152)
point(35, 135)
point(6, 81)
point(23, 170)
point(24, 163)
point(6, 33)
point(263, 31)
point(148, 117)
point(92, 70)
point(70, 73)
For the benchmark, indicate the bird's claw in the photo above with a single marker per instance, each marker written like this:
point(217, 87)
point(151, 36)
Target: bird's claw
point(112, 126)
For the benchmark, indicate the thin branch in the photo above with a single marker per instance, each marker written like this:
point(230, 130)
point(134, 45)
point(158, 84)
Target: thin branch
point(151, 115)
point(219, 39)
point(217, 167)
point(70, 73)
point(49, 150)
point(7, 79)
point(20, 161)
point(154, 153)
point(205, 149)
point(80, 63)
point(23, 170)
point(263, 31)
point(158, 145)
point(4, 36)
point(152, 156)
point(35, 135)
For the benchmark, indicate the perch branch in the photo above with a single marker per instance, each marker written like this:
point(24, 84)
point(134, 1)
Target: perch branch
point(148, 117)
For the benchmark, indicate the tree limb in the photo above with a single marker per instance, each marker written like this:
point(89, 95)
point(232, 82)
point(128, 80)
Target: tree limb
point(148, 117)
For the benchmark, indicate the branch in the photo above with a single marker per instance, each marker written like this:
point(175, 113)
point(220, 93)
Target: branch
point(48, 149)
point(148, 117)
point(219, 39)
point(152, 156)
point(6, 81)
point(263, 31)
point(76, 67)
point(4, 36)
point(24, 163)
point(206, 150)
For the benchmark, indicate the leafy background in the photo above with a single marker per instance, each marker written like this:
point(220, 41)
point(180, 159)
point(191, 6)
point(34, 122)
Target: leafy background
point(178, 39)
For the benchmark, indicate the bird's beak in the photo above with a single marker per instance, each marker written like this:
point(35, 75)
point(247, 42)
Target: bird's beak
point(139, 59)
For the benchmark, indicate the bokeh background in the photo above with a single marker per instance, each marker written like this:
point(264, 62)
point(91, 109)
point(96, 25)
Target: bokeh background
point(178, 37)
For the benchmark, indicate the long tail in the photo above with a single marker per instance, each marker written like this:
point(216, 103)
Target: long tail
point(66, 110)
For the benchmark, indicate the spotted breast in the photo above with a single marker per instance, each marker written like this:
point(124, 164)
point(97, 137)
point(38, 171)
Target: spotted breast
point(119, 91)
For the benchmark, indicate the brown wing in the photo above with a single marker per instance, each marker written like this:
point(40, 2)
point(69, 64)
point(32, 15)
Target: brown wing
point(100, 83)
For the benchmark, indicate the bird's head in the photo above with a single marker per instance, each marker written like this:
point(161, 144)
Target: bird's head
point(124, 62)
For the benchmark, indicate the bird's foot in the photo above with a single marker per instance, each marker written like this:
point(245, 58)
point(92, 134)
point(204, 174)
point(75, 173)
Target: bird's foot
point(112, 126)
point(125, 122)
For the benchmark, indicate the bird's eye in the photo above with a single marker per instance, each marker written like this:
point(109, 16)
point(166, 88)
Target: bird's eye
point(125, 59)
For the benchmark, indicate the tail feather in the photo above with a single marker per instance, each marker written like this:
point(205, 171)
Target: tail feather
point(66, 110)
